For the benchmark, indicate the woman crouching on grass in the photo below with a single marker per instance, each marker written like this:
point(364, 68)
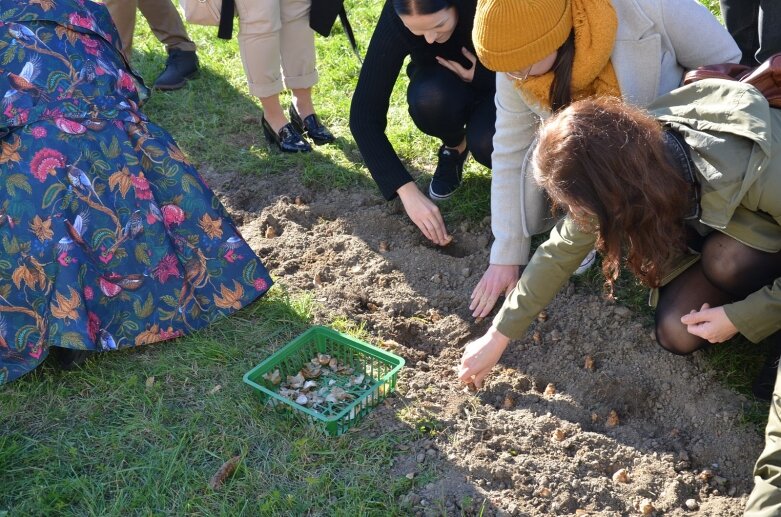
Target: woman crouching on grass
point(688, 196)
point(450, 97)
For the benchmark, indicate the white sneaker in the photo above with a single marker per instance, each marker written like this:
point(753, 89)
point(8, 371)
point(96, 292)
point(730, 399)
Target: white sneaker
point(589, 261)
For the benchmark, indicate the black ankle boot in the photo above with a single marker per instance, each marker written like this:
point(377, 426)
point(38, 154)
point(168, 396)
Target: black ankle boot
point(766, 378)
point(180, 66)
point(311, 126)
point(288, 139)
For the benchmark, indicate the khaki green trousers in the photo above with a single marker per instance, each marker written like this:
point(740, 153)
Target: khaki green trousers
point(163, 19)
point(765, 499)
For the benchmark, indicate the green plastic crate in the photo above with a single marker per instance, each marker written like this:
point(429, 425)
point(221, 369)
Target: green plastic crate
point(381, 369)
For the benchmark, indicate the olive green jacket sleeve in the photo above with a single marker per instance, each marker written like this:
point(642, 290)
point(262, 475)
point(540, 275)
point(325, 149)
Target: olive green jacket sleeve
point(550, 267)
point(759, 314)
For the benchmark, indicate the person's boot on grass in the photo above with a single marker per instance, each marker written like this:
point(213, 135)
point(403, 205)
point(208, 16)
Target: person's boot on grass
point(762, 388)
point(180, 66)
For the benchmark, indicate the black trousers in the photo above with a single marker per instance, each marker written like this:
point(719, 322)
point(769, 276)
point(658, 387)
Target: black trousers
point(447, 108)
point(756, 27)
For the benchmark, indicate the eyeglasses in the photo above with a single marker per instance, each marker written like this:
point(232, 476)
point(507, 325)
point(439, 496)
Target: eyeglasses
point(519, 76)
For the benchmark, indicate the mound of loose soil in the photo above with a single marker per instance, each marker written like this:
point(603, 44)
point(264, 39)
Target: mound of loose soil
point(586, 416)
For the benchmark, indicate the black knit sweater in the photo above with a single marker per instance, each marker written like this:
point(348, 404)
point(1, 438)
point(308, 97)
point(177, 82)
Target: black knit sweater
point(390, 44)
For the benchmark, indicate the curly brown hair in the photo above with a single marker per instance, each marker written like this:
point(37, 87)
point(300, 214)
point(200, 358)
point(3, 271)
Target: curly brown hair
point(604, 162)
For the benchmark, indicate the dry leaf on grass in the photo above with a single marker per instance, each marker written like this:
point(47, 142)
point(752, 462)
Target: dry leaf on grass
point(226, 471)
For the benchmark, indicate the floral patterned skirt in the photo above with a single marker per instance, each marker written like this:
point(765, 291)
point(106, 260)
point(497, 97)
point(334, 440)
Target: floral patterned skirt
point(110, 239)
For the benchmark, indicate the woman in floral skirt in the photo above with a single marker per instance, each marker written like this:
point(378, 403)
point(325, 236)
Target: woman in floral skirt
point(108, 236)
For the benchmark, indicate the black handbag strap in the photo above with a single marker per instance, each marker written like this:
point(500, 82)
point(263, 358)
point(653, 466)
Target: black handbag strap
point(226, 20)
point(348, 30)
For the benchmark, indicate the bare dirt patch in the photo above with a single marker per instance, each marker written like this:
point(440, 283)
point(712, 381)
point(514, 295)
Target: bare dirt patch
point(627, 429)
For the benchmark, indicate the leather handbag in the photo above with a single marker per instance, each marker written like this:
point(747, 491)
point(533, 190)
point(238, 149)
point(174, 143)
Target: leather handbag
point(210, 12)
point(766, 77)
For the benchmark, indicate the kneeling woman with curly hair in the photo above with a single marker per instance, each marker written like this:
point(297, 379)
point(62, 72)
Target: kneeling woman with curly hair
point(688, 197)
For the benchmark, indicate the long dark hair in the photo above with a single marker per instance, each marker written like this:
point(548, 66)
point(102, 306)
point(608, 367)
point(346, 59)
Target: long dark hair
point(561, 88)
point(605, 163)
point(407, 7)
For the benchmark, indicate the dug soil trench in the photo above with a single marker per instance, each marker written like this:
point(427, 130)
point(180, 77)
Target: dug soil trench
point(585, 416)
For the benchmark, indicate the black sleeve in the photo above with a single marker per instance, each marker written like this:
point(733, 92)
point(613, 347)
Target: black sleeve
point(369, 109)
point(484, 79)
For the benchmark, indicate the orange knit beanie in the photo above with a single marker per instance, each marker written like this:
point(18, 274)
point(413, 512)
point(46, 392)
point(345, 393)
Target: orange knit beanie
point(511, 35)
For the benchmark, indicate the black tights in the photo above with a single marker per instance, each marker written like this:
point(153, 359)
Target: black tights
point(727, 272)
point(445, 107)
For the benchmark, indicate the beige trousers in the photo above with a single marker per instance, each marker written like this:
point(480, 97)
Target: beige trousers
point(275, 34)
point(163, 19)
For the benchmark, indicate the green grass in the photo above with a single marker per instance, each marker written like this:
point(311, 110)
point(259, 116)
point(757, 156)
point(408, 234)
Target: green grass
point(108, 439)
point(142, 431)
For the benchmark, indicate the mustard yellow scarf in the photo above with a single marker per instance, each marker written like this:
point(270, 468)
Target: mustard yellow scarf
point(595, 24)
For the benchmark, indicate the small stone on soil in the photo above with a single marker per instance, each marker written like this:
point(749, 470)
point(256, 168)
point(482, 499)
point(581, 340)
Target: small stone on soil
point(559, 435)
point(621, 476)
point(410, 475)
point(646, 507)
point(509, 402)
point(544, 492)
point(691, 504)
point(550, 389)
point(588, 363)
point(622, 311)
point(612, 419)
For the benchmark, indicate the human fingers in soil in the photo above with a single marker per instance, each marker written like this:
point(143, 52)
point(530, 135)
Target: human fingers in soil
point(498, 280)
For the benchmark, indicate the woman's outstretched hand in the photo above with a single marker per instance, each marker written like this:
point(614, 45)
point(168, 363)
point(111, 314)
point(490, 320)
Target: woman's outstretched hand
point(480, 356)
point(424, 213)
point(712, 325)
point(497, 280)
point(466, 75)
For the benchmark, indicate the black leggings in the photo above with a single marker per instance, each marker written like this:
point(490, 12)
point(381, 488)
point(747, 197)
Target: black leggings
point(445, 107)
point(728, 271)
